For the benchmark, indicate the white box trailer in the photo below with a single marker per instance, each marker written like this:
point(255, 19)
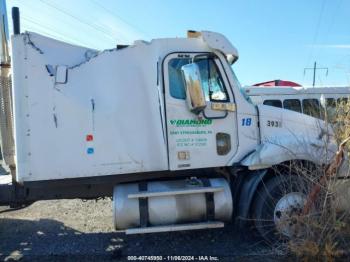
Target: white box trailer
point(161, 126)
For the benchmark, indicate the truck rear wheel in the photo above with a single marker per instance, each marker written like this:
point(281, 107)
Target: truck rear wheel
point(277, 207)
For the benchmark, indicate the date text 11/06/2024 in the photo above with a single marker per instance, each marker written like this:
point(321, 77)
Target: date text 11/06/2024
point(173, 258)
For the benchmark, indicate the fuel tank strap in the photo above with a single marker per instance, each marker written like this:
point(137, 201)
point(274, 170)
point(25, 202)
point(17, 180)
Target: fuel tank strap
point(209, 199)
point(143, 206)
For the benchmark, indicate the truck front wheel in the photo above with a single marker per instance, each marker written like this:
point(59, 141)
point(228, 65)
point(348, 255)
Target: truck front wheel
point(278, 206)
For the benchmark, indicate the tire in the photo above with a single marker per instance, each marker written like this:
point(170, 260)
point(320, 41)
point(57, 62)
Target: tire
point(276, 205)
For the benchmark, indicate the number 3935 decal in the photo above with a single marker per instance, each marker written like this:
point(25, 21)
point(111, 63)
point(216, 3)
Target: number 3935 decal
point(274, 123)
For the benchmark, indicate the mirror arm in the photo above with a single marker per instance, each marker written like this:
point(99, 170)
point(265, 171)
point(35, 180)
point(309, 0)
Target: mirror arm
point(215, 117)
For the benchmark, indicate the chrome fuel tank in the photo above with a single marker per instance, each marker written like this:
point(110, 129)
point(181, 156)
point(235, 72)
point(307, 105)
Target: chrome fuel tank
point(171, 202)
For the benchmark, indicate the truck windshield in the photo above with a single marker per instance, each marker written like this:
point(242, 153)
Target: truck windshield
point(213, 85)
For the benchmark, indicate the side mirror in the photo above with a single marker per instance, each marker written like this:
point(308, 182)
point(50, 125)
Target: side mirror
point(194, 92)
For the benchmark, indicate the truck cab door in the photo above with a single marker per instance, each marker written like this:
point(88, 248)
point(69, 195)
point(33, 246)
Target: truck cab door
point(202, 139)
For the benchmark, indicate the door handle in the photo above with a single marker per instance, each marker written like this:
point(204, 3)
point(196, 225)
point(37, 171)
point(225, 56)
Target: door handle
point(227, 107)
point(215, 117)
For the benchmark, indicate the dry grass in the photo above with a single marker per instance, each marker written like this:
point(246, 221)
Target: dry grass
point(323, 233)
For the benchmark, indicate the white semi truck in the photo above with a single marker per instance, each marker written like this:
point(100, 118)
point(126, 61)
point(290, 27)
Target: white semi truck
point(160, 126)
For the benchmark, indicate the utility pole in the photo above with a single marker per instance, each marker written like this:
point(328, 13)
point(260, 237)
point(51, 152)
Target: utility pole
point(314, 73)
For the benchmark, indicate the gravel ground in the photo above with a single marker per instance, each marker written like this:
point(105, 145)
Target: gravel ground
point(73, 230)
point(76, 230)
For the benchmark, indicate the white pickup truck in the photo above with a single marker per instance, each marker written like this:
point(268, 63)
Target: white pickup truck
point(161, 126)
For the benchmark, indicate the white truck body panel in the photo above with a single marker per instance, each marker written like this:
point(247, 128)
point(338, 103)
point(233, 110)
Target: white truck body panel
point(108, 117)
point(53, 120)
point(83, 113)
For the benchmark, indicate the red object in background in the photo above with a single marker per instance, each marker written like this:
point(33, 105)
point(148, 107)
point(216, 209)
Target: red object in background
point(89, 137)
point(277, 83)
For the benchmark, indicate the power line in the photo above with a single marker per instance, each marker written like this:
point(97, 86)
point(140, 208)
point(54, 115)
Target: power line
point(79, 20)
point(61, 19)
point(330, 27)
point(316, 32)
point(120, 18)
point(333, 17)
point(76, 18)
point(66, 39)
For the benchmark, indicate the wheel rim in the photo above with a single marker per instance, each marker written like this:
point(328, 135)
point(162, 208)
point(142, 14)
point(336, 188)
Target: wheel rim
point(287, 211)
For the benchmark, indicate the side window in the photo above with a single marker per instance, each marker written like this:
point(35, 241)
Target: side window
point(312, 107)
point(292, 104)
point(275, 103)
point(342, 100)
point(213, 85)
point(331, 109)
point(176, 83)
point(331, 103)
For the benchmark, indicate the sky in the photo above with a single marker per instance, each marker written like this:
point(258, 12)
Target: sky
point(275, 39)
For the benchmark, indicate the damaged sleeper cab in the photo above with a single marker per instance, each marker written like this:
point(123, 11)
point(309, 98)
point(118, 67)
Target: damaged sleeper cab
point(161, 126)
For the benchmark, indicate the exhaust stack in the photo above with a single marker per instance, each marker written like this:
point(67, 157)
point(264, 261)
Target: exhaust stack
point(4, 37)
point(16, 21)
point(6, 109)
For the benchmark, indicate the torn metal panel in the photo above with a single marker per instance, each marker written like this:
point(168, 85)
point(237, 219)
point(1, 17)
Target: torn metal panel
point(270, 154)
point(288, 135)
point(28, 41)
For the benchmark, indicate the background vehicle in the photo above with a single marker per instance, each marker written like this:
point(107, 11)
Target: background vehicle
point(161, 126)
point(310, 101)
